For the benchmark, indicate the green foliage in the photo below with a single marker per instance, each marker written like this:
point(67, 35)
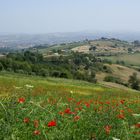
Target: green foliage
point(134, 81)
point(92, 48)
point(107, 69)
point(1, 66)
point(120, 62)
point(75, 65)
point(130, 50)
point(112, 79)
point(96, 112)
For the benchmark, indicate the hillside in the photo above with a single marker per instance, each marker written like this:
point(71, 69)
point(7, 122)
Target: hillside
point(99, 47)
point(9, 82)
point(119, 71)
point(131, 59)
point(53, 108)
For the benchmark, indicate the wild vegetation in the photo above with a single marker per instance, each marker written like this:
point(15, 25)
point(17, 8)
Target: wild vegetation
point(73, 104)
point(38, 108)
point(73, 66)
point(86, 60)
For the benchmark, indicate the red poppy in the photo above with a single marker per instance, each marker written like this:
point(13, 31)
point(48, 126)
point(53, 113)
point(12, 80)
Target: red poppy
point(78, 103)
point(67, 111)
point(101, 103)
point(36, 132)
point(36, 123)
point(121, 111)
point(107, 102)
point(122, 101)
point(129, 110)
point(52, 123)
point(70, 99)
point(21, 100)
point(76, 118)
point(121, 116)
point(137, 125)
point(108, 129)
point(137, 133)
point(80, 108)
point(87, 104)
point(26, 120)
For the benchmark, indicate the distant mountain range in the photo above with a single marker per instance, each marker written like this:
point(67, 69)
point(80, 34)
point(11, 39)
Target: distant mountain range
point(29, 40)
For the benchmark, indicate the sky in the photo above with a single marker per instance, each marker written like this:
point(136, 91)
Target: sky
point(49, 16)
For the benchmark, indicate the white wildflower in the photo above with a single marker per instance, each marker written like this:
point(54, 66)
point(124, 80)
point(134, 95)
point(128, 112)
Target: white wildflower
point(71, 91)
point(115, 138)
point(17, 87)
point(132, 127)
point(29, 86)
point(136, 115)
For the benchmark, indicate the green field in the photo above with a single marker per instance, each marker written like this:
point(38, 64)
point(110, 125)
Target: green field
point(129, 59)
point(59, 109)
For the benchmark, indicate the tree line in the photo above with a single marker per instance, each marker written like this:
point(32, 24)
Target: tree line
point(74, 66)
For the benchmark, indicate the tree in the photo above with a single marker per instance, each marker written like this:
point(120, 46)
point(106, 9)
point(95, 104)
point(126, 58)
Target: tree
point(130, 50)
point(92, 48)
point(134, 81)
point(1, 66)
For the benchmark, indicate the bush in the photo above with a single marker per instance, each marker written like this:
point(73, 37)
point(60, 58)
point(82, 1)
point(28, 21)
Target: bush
point(1, 67)
point(120, 62)
point(134, 81)
point(107, 69)
point(43, 72)
point(113, 79)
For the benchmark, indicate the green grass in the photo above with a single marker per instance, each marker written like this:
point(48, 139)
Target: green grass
point(129, 59)
point(81, 110)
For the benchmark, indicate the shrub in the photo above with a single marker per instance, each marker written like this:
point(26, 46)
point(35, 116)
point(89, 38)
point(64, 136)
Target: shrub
point(113, 79)
point(134, 81)
point(1, 67)
point(107, 69)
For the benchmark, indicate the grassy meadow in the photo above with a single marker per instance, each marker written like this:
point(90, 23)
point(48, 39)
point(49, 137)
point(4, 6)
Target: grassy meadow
point(60, 109)
point(129, 59)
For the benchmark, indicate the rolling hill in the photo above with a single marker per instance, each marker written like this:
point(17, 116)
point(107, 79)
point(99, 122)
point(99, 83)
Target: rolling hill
point(53, 108)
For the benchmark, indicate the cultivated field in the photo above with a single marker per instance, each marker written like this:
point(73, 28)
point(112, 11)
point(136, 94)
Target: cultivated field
point(129, 59)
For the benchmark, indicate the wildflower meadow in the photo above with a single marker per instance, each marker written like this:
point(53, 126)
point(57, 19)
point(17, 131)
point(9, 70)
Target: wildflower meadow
point(57, 111)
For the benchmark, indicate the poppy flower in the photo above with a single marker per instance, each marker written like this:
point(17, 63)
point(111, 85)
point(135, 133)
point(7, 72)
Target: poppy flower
point(100, 103)
point(76, 118)
point(107, 129)
point(129, 110)
point(78, 103)
point(52, 123)
point(21, 100)
point(107, 102)
point(67, 111)
point(121, 111)
point(137, 125)
point(26, 120)
point(78, 109)
point(87, 104)
point(137, 133)
point(36, 132)
point(121, 116)
point(122, 101)
point(70, 99)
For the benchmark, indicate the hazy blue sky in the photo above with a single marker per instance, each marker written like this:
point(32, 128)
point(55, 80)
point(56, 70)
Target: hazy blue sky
point(45, 16)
